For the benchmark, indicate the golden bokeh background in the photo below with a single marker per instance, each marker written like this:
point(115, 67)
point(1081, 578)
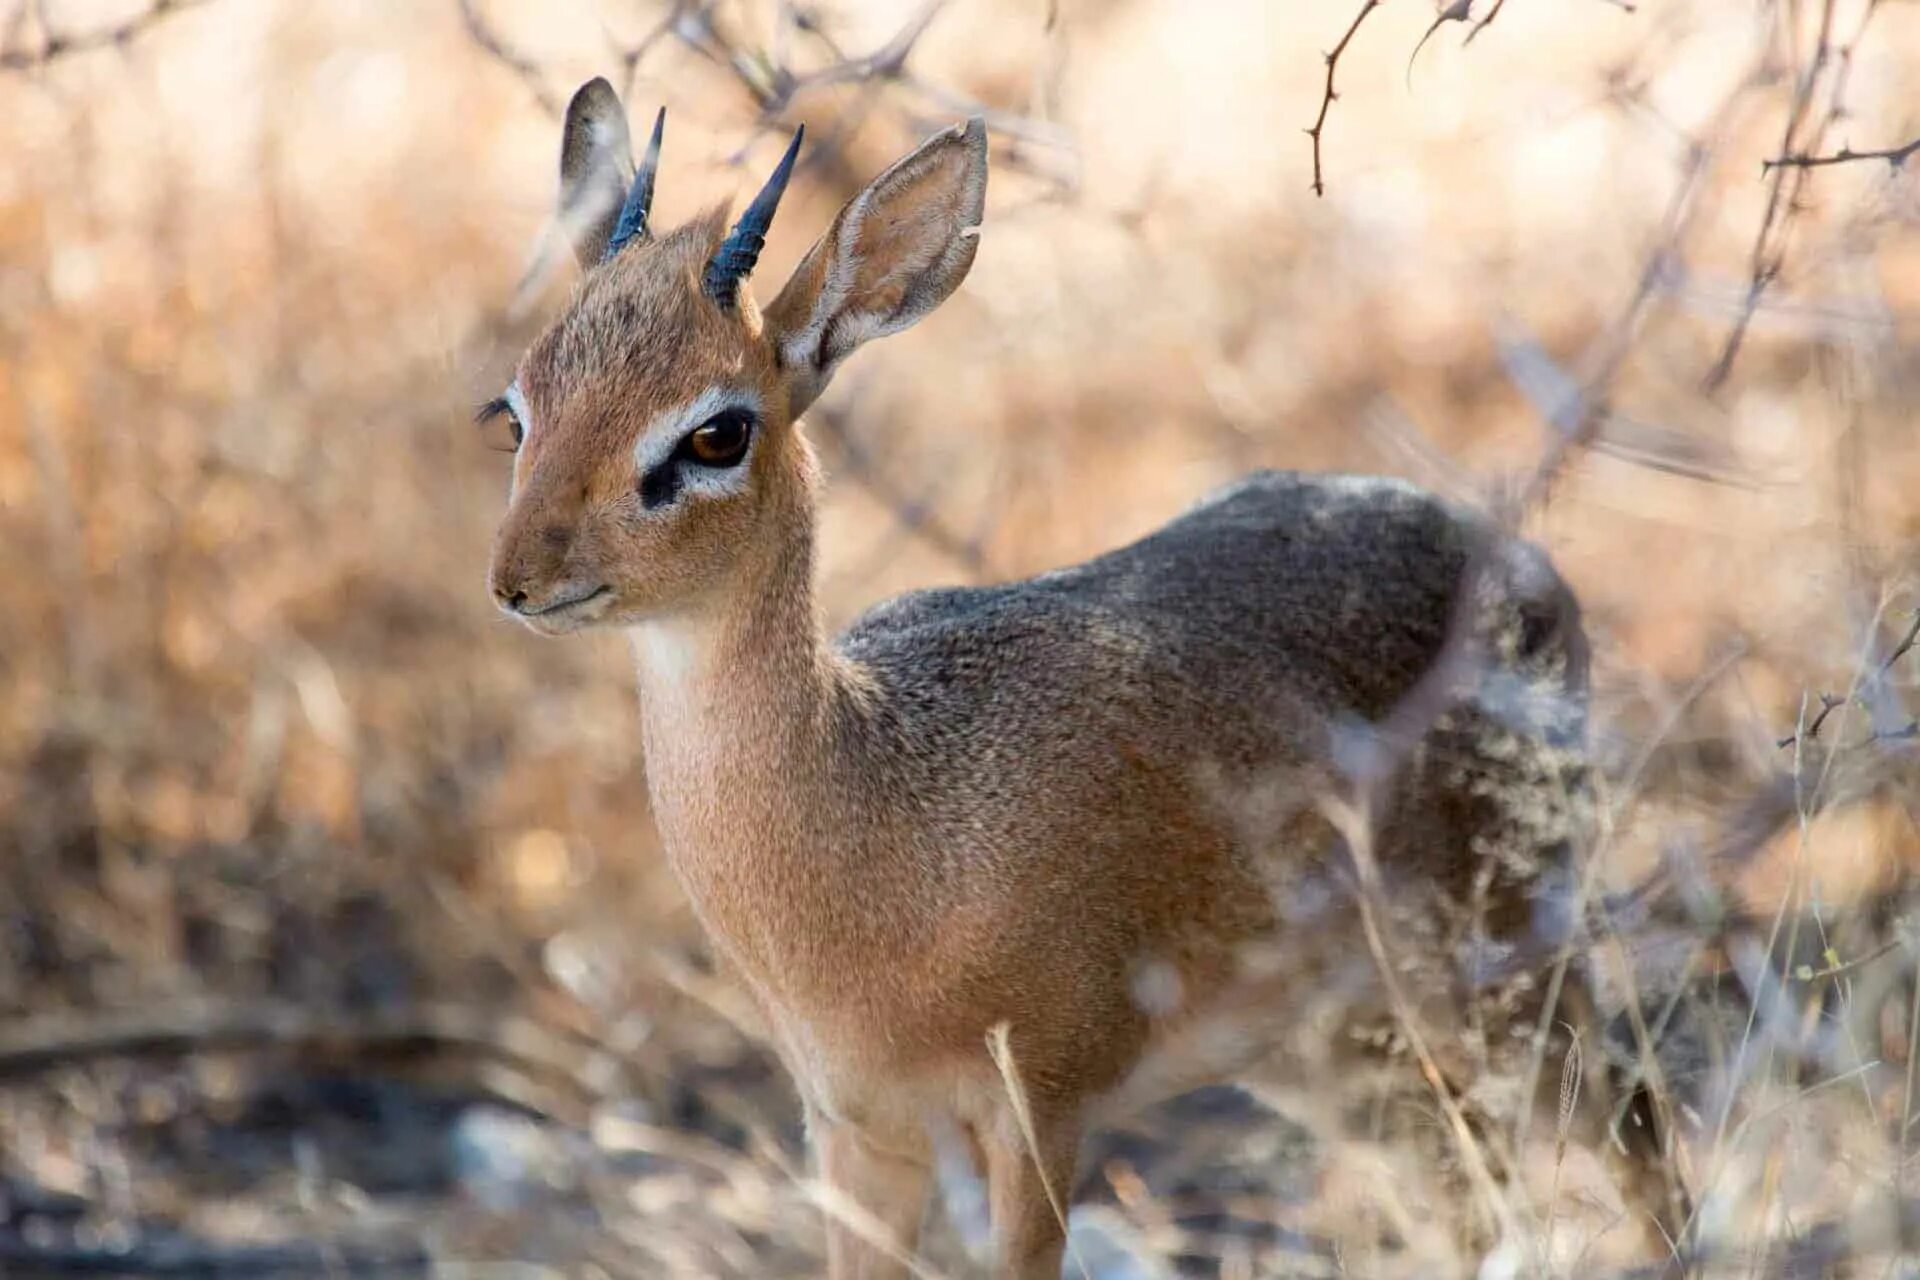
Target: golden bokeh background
point(263, 738)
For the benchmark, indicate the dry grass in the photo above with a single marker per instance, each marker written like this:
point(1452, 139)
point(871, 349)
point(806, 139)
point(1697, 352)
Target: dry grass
point(264, 750)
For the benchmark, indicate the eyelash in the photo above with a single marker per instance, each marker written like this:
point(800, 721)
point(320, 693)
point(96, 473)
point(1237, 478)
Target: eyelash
point(495, 408)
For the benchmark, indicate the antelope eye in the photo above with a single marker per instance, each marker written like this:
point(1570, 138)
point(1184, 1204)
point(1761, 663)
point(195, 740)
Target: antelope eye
point(500, 425)
point(720, 441)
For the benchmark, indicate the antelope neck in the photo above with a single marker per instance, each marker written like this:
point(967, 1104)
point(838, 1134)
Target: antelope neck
point(741, 681)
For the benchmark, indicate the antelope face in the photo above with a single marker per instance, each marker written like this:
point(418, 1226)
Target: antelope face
point(651, 425)
point(656, 449)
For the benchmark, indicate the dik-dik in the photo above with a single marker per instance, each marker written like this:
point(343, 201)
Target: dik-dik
point(1086, 814)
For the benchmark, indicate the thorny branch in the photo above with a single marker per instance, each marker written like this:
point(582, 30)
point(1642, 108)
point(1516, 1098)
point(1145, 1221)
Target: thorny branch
point(1829, 702)
point(1894, 156)
point(1785, 195)
point(1328, 95)
point(1786, 172)
point(1458, 11)
point(1455, 11)
point(888, 62)
point(1625, 6)
point(55, 45)
point(1483, 23)
point(678, 11)
point(525, 68)
point(1575, 413)
point(770, 79)
point(1828, 705)
point(775, 85)
point(767, 75)
point(560, 1060)
point(914, 515)
point(189, 1257)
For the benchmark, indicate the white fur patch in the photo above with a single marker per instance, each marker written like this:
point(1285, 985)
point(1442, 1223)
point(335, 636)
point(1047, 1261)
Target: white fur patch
point(517, 403)
point(1369, 487)
point(668, 649)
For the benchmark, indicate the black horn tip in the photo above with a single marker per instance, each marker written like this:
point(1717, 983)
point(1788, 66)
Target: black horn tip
point(737, 255)
point(639, 203)
point(785, 168)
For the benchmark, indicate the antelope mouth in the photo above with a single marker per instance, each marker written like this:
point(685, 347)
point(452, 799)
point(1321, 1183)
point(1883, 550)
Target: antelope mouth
point(561, 606)
point(565, 613)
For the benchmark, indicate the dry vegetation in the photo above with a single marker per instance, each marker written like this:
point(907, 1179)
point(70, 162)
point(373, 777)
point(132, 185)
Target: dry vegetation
point(333, 934)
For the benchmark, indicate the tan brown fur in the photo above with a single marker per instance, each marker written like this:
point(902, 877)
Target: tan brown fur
point(1026, 805)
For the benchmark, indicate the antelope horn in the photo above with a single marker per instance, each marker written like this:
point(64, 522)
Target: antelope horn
point(633, 214)
point(733, 261)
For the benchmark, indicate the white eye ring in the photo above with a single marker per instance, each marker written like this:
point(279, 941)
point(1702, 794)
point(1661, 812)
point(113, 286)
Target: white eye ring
point(666, 432)
point(517, 406)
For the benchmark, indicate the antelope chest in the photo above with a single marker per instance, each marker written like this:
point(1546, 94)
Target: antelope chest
point(849, 1027)
point(804, 939)
point(807, 908)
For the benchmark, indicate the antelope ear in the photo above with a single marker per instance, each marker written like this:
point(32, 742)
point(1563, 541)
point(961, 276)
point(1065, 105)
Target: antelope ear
point(596, 166)
point(893, 254)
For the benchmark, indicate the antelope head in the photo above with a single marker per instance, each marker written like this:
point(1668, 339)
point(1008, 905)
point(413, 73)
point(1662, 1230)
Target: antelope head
point(656, 447)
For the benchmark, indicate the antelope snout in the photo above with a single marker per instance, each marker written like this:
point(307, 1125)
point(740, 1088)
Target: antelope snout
point(561, 600)
point(555, 607)
point(529, 577)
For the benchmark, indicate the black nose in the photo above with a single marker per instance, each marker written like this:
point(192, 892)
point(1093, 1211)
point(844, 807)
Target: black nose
point(510, 599)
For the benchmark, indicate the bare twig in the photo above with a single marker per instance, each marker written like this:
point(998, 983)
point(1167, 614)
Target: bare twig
point(631, 55)
point(775, 85)
point(55, 45)
point(1578, 415)
point(1787, 181)
point(1624, 6)
point(770, 81)
point(507, 56)
point(911, 513)
point(1908, 732)
point(884, 63)
point(1894, 156)
point(1828, 704)
point(1903, 648)
point(188, 1257)
point(1482, 24)
point(1458, 11)
point(548, 1054)
point(1836, 968)
point(1328, 95)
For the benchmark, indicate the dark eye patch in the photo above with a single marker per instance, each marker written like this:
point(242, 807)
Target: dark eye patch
point(717, 444)
point(660, 485)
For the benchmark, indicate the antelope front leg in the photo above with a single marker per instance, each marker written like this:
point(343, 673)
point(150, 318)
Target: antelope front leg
point(882, 1194)
point(1027, 1233)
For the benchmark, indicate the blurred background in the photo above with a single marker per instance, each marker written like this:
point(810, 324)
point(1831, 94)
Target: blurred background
point(334, 934)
